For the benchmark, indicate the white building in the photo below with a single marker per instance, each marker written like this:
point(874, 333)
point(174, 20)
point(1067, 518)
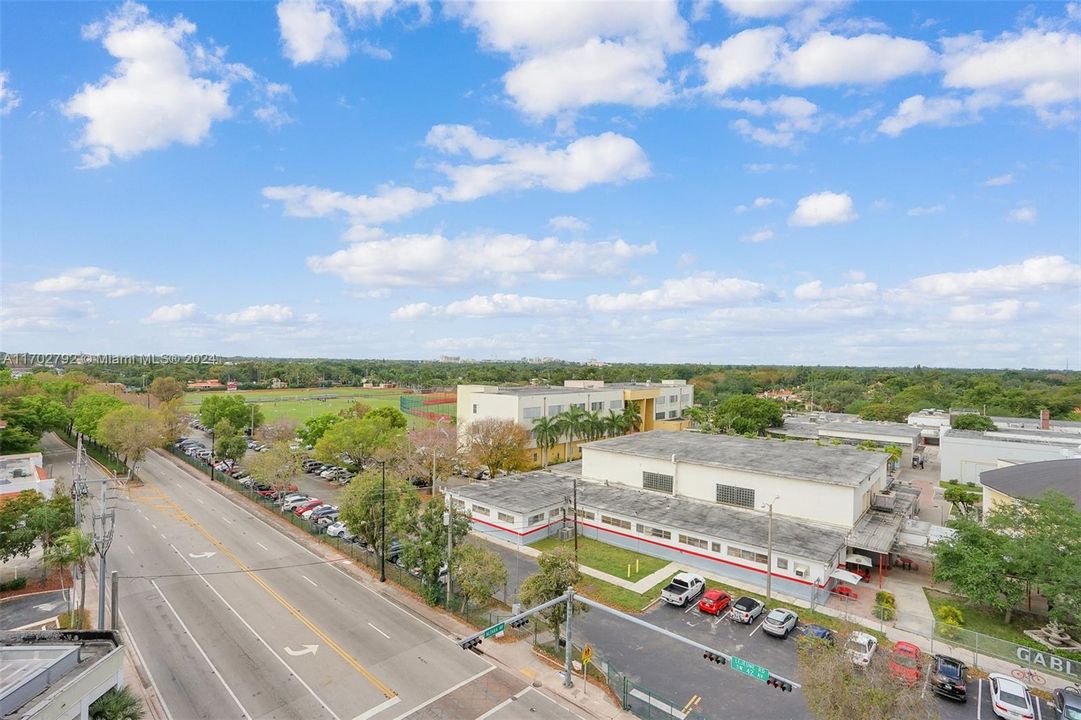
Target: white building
point(24, 471)
point(660, 405)
point(964, 454)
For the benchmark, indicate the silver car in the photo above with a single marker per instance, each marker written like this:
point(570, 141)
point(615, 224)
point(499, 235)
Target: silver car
point(780, 622)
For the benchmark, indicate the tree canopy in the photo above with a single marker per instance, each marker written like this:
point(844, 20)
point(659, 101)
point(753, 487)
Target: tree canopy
point(89, 409)
point(973, 422)
point(496, 445)
point(233, 408)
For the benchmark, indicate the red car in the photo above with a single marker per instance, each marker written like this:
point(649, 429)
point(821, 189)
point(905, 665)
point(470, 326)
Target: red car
point(905, 663)
point(310, 505)
point(714, 602)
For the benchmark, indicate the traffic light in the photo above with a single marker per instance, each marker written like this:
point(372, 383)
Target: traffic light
point(779, 683)
point(469, 643)
point(714, 657)
point(518, 623)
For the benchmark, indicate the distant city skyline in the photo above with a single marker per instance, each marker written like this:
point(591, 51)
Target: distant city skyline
point(733, 182)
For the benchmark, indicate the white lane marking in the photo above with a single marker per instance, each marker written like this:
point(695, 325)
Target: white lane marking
point(722, 617)
point(1039, 712)
point(200, 649)
point(257, 635)
point(446, 692)
point(200, 501)
point(309, 580)
point(129, 549)
point(153, 526)
point(694, 606)
point(262, 546)
point(378, 708)
point(162, 535)
point(979, 703)
point(756, 627)
point(142, 661)
point(373, 627)
point(226, 519)
point(505, 703)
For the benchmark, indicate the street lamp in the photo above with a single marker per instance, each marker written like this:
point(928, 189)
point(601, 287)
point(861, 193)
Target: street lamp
point(769, 548)
point(212, 448)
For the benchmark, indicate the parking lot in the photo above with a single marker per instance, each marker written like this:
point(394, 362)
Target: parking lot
point(679, 673)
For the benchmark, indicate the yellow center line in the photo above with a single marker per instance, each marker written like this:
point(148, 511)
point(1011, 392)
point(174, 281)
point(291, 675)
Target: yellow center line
point(183, 516)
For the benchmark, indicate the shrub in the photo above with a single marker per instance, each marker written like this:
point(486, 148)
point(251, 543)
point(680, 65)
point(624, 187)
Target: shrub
point(883, 597)
point(951, 615)
point(885, 612)
point(13, 584)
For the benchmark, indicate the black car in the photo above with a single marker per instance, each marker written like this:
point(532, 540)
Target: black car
point(949, 677)
point(1068, 704)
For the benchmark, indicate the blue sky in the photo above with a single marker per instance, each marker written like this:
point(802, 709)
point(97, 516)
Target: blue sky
point(731, 182)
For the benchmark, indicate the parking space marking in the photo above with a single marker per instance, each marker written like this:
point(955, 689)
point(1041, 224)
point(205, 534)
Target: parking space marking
point(373, 627)
point(1039, 712)
point(693, 607)
point(200, 501)
point(153, 526)
point(262, 546)
point(721, 617)
point(309, 580)
point(129, 549)
point(162, 536)
point(756, 627)
point(979, 703)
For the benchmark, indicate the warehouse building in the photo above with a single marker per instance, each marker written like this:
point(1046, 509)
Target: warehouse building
point(661, 406)
point(698, 499)
point(965, 454)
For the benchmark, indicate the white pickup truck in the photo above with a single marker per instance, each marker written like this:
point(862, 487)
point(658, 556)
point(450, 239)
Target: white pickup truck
point(683, 588)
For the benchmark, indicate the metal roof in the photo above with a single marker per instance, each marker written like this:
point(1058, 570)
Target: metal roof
point(1030, 480)
point(885, 429)
point(830, 464)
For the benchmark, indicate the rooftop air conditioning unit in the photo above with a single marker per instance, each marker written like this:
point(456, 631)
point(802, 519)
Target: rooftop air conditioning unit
point(566, 534)
point(802, 570)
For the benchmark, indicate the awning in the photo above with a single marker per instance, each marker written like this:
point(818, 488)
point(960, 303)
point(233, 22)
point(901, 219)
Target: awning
point(859, 560)
point(846, 576)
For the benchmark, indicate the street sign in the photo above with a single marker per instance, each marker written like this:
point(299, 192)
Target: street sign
point(748, 668)
point(494, 630)
point(587, 654)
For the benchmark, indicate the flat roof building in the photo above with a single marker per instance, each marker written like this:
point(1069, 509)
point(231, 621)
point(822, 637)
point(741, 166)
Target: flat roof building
point(1031, 480)
point(57, 675)
point(24, 471)
point(965, 454)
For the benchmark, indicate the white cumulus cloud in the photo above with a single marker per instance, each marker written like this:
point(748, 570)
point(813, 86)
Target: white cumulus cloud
point(937, 111)
point(1023, 214)
point(96, 280)
point(999, 180)
point(760, 235)
point(166, 314)
point(568, 223)
point(926, 210)
point(814, 290)
point(683, 293)
point(391, 202)
point(479, 306)
point(310, 32)
point(823, 208)
point(1044, 272)
point(9, 99)
point(258, 315)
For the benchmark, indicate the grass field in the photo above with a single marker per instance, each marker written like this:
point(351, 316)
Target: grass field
point(303, 403)
point(607, 558)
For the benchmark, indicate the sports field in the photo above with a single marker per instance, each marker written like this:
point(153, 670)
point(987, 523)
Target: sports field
point(299, 404)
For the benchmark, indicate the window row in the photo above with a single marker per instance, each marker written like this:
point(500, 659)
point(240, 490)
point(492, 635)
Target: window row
point(653, 532)
point(609, 520)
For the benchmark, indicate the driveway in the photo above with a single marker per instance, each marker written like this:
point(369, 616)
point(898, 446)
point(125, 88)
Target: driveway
point(519, 566)
point(22, 610)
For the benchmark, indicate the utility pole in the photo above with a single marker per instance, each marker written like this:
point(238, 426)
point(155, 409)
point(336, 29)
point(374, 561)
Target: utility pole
point(449, 515)
point(103, 538)
point(769, 549)
point(211, 455)
point(567, 676)
point(575, 483)
point(383, 527)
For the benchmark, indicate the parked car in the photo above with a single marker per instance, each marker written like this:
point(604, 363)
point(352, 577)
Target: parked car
point(1067, 704)
point(302, 508)
point(296, 502)
point(289, 497)
point(780, 622)
point(326, 520)
point(339, 529)
point(817, 632)
point(683, 588)
point(746, 610)
point(860, 648)
point(1010, 699)
point(321, 511)
point(905, 662)
point(714, 601)
point(949, 678)
point(307, 514)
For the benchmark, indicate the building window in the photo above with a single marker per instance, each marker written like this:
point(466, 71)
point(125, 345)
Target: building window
point(732, 495)
point(654, 532)
point(481, 510)
point(586, 515)
point(597, 406)
point(535, 519)
point(659, 416)
point(531, 412)
point(661, 400)
point(555, 513)
point(693, 541)
point(459, 504)
point(554, 410)
point(474, 408)
point(640, 528)
point(761, 559)
point(580, 406)
point(673, 398)
point(748, 555)
point(615, 404)
point(657, 481)
point(716, 547)
point(782, 563)
point(609, 520)
point(504, 517)
point(672, 413)
point(534, 457)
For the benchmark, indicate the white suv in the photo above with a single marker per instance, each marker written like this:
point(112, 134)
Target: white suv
point(860, 648)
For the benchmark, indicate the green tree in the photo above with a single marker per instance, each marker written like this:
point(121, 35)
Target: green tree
point(48, 520)
point(747, 414)
point(89, 409)
point(131, 430)
point(315, 427)
point(15, 439)
point(572, 422)
point(172, 420)
point(966, 500)
point(546, 431)
point(424, 547)
point(17, 536)
point(979, 563)
point(973, 422)
point(36, 414)
point(883, 411)
point(229, 443)
point(632, 416)
point(558, 571)
point(166, 389)
point(276, 467)
point(389, 417)
point(215, 408)
point(478, 572)
point(361, 507)
point(496, 444)
point(352, 442)
point(355, 411)
point(70, 550)
point(115, 704)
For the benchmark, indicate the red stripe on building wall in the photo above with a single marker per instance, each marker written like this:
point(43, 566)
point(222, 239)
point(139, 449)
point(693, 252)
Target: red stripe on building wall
point(698, 554)
point(512, 530)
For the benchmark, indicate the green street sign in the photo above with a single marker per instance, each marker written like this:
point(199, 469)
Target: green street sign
point(496, 629)
point(748, 668)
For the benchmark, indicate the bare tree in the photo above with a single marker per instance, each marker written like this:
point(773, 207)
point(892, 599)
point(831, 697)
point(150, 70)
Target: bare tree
point(496, 444)
point(282, 429)
point(431, 450)
point(276, 467)
point(835, 688)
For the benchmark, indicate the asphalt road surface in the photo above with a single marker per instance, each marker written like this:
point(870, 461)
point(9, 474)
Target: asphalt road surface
point(27, 610)
point(679, 674)
point(235, 620)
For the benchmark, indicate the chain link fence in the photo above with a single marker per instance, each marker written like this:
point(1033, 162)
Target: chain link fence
point(1035, 659)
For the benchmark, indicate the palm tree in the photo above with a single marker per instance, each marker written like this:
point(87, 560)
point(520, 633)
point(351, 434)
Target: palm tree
point(594, 425)
point(632, 416)
point(70, 549)
point(613, 424)
point(116, 704)
point(547, 431)
point(572, 422)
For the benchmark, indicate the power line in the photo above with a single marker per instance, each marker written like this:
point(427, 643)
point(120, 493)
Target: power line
point(227, 572)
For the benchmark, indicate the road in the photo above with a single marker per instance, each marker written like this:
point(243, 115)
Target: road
point(649, 659)
point(233, 619)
